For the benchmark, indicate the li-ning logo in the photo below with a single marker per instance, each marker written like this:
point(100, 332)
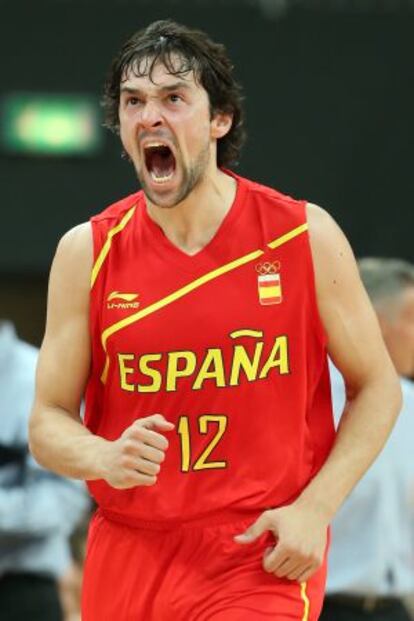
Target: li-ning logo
point(127, 300)
point(268, 283)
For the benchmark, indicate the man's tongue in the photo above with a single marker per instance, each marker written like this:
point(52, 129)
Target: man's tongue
point(161, 163)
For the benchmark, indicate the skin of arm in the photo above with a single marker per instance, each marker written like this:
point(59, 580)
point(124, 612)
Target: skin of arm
point(356, 347)
point(62, 373)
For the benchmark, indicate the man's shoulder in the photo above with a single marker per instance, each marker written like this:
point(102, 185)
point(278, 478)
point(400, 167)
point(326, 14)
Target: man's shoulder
point(117, 210)
point(269, 194)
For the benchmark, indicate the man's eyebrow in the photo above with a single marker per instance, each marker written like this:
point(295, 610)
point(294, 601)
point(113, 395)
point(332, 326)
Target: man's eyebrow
point(176, 86)
point(166, 89)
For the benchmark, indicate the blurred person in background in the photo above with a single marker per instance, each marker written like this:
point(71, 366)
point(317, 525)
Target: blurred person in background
point(38, 509)
point(371, 561)
point(194, 325)
point(70, 592)
point(71, 582)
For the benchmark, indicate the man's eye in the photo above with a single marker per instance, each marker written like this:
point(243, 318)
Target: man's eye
point(132, 101)
point(174, 98)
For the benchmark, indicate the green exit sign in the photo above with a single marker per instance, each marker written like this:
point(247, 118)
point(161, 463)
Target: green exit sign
point(47, 124)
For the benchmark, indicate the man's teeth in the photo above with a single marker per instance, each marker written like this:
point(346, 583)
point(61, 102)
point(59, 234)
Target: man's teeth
point(162, 179)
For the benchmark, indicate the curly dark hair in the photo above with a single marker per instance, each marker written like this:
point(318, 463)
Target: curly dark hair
point(181, 50)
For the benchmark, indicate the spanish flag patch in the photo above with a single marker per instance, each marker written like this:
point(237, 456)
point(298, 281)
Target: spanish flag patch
point(268, 283)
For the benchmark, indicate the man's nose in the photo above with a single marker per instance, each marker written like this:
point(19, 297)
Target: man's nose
point(150, 115)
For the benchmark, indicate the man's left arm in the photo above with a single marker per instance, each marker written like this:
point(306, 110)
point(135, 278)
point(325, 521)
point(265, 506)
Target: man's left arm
point(356, 347)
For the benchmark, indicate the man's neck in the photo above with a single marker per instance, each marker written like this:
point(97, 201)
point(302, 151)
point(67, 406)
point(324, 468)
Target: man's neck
point(192, 224)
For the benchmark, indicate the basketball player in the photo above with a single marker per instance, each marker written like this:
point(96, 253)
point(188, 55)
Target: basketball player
point(197, 314)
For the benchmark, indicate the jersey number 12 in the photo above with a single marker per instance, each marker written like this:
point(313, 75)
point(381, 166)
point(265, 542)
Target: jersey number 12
point(204, 422)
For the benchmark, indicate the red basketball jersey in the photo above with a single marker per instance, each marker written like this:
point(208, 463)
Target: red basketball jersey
point(227, 344)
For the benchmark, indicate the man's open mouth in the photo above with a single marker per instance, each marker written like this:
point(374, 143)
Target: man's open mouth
point(159, 161)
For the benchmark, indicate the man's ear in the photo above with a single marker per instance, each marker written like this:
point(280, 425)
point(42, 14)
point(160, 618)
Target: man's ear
point(221, 124)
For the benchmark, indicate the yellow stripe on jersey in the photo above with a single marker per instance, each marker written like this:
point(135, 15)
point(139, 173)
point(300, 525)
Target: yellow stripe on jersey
point(288, 236)
point(258, 334)
point(107, 245)
point(306, 602)
point(270, 292)
point(195, 284)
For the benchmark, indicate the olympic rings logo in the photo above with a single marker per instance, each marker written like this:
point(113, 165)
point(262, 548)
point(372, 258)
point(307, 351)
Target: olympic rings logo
point(268, 268)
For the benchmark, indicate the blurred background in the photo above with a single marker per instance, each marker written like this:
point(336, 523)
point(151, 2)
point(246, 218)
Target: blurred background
point(329, 96)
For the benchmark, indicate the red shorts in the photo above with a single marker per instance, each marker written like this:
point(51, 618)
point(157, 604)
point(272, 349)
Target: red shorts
point(192, 573)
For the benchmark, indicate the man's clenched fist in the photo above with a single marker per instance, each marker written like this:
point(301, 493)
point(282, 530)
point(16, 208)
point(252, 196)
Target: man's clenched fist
point(135, 457)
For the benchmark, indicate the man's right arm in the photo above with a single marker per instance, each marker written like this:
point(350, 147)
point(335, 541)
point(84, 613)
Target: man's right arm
point(58, 439)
